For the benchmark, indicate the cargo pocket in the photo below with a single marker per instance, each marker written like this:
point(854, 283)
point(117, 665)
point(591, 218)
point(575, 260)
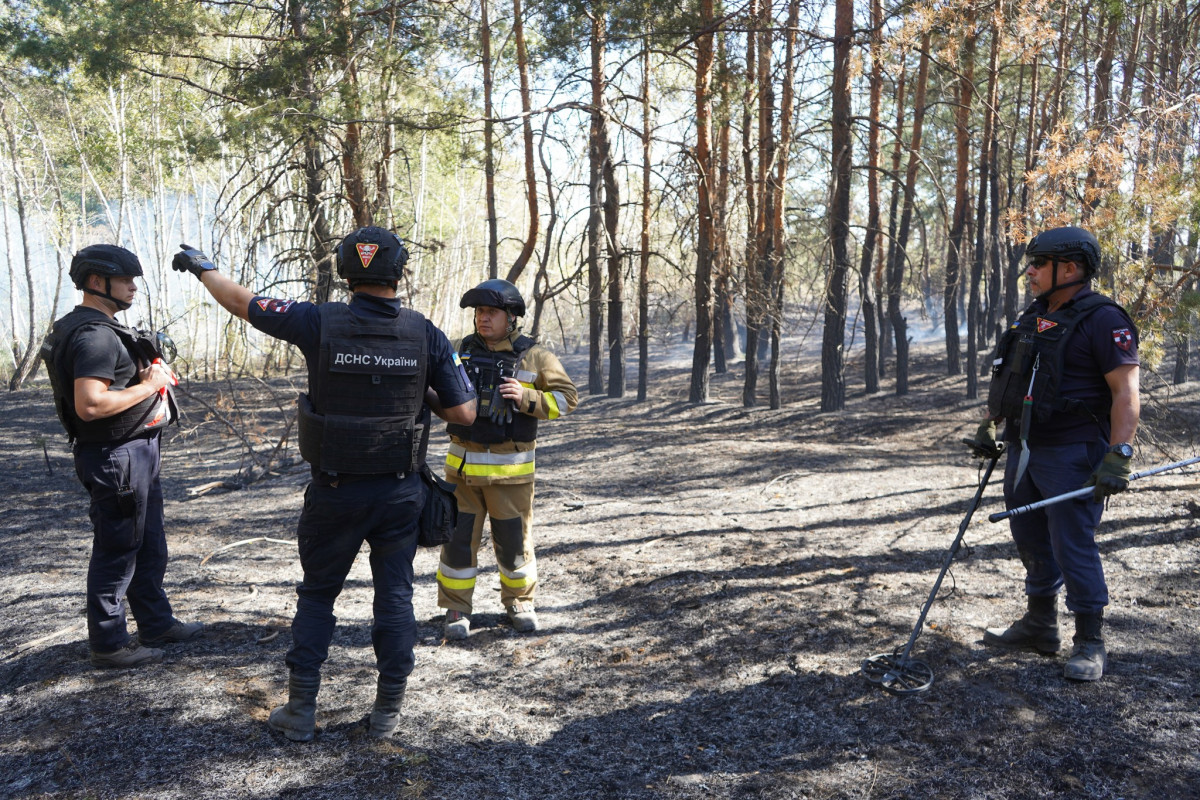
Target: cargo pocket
point(115, 506)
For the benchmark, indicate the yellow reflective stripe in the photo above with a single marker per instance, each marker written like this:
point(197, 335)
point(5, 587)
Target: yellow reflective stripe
point(498, 470)
point(553, 404)
point(515, 583)
point(454, 583)
point(487, 463)
point(519, 578)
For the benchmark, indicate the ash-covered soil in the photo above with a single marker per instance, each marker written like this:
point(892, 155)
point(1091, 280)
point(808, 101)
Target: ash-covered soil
point(711, 579)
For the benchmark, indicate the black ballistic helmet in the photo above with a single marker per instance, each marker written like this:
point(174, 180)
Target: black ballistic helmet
point(104, 259)
point(371, 255)
point(496, 293)
point(1067, 244)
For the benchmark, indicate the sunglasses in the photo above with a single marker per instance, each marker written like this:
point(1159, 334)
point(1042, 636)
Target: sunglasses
point(1037, 262)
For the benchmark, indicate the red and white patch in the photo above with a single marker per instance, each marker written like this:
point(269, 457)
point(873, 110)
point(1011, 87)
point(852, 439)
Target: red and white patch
point(1044, 325)
point(366, 252)
point(1123, 338)
point(275, 306)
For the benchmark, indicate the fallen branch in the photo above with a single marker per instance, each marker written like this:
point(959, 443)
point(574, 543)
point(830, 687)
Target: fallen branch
point(204, 560)
point(21, 648)
point(205, 488)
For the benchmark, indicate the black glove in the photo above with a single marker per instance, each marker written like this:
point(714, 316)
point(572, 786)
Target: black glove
point(500, 409)
point(1111, 477)
point(984, 445)
point(192, 260)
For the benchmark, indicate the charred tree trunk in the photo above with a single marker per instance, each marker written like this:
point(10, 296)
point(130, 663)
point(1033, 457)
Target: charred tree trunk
point(833, 379)
point(866, 287)
point(596, 208)
point(900, 258)
point(644, 249)
point(616, 281)
point(531, 197)
point(754, 289)
point(962, 207)
point(489, 140)
point(319, 235)
point(698, 390)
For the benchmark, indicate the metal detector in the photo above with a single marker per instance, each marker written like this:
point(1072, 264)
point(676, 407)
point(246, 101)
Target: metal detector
point(1085, 491)
point(896, 672)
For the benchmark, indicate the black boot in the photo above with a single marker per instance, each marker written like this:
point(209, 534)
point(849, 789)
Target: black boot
point(1037, 630)
point(1088, 657)
point(389, 694)
point(297, 718)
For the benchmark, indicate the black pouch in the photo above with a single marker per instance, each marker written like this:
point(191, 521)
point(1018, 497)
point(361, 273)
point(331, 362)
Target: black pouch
point(127, 502)
point(439, 516)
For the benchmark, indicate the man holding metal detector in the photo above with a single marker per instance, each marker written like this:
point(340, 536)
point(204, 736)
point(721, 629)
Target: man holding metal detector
point(1065, 379)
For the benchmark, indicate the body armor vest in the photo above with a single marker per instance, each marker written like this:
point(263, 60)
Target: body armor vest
point(364, 411)
point(142, 347)
point(485, 368)
point(1029, 363)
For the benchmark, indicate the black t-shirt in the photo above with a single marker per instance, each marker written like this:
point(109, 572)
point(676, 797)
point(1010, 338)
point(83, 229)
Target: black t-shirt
point(97, 352)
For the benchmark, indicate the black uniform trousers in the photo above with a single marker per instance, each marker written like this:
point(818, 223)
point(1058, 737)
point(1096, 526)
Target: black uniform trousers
point(129, 545)
point(382, 510)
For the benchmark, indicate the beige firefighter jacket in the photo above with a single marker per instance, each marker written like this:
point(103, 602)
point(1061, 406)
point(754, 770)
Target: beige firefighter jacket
point(548, 394)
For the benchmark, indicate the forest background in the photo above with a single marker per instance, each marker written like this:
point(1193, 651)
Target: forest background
point(730, 173)
point(771, 197)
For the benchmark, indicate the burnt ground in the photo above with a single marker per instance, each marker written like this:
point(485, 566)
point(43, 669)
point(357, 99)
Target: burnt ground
point(711, 579)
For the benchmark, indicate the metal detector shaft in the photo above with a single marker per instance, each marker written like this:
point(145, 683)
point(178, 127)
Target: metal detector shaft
point(1087, 490)
point(962, 529)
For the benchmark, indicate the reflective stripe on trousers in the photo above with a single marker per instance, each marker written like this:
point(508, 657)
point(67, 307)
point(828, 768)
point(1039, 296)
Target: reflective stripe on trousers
point(488, 464)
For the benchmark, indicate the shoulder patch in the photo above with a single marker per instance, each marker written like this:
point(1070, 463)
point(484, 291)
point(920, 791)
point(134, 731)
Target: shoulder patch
point(275, 306)
point(1123, 338)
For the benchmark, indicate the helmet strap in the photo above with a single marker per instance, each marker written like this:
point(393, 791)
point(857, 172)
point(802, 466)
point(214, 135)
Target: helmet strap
point(1055, 285)
point(121, 305)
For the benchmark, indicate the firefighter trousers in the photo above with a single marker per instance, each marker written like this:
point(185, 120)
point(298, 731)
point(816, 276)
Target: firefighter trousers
point(510, 509)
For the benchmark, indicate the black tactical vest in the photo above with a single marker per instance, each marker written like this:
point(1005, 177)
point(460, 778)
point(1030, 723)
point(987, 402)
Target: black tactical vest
point(363, 414)
point(142, 347)
point(485, 368)
point(1032, 352)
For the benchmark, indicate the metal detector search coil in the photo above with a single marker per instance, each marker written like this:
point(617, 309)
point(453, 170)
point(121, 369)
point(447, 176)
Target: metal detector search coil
point(897, 672)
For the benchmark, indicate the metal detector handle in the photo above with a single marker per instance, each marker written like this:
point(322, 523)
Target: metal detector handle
point(1049, 501)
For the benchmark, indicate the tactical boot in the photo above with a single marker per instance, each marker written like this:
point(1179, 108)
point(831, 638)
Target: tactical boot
point(1037, 630)
point(297, 718)
point(133, 654)
point(523, 617)
point(389, 694)
point(458, 625)
point(1088, 657)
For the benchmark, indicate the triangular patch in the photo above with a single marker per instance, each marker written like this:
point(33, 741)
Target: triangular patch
point(366, 252)
point(1044, 325)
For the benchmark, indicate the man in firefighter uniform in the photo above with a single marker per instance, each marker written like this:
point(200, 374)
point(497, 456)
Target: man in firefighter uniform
point(492, 461)
point(112, 391)
point(374, 371)
point(1066, 381)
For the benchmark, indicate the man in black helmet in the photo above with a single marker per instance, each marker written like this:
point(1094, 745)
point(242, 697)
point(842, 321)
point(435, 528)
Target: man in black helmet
point(492, 461)
point(375, 369)
point(113, 394)
point(1065, 379)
